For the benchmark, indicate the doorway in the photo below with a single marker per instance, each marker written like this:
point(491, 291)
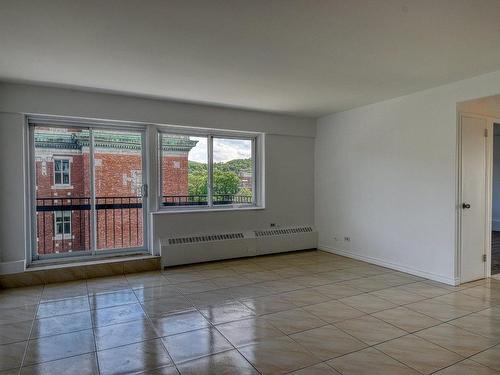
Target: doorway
point(495, 212)
point(88, 190)
point(474, 237)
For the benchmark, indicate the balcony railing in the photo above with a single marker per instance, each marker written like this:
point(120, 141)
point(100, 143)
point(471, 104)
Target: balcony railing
point(202, 200)
point(118, 223)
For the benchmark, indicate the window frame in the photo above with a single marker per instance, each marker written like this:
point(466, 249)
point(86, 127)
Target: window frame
point(61, 159)
point(257, 141)
point(63, 235)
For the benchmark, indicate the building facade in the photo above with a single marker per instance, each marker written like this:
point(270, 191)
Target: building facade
point(63, 187)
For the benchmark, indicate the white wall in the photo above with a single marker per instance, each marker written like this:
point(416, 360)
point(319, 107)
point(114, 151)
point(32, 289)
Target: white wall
point(386, 176)
point(289, 159)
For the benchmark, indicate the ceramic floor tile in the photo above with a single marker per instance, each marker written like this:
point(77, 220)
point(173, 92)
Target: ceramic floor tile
point(179, 323)
point(489, 358)
point(398, 296)
point(463, 301)
point(438, 310)
point(457, 340)
point(210, 298)
point(124, 333)
point(196, 286)
point(156, 292)
point(11, 300)
point(145, 355)
point(425, 290)
point(304, 297)
point(267, 304)
point(167, 370)
point(17, 314)
point(406, 319)
point(483, 325)
point(121, 297)
point(227, 312)
point(11, 355)
point(15, 332)
point(419, 354)
point(331, 306)
point(327, 342)
point(367, 303)
point(54, 292)
point(117, 314)
point(248, 331)
point(63, 307)
point(370, 362)
point(165, 306)
point(333, 311)
point(85, 364)
point(278, 356)
point(194, 344)
point(319, 369)
point(293, 321)
point(226, 363)
point(492, 312)
point(467, 367)
point(336, 291)
point(61, 324)
point(60, 346)
point(370, 330)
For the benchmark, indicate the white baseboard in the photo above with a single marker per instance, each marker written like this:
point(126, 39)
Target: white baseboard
point(17, 266)
point(394, 266)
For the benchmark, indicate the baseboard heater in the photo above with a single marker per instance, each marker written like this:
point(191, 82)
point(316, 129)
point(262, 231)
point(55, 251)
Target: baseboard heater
point(217, 246)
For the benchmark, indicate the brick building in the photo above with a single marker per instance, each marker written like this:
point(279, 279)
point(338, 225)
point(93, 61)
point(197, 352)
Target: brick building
point(63, 187)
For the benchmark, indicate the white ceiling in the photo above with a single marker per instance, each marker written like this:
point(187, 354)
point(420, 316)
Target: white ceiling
point(307, 57)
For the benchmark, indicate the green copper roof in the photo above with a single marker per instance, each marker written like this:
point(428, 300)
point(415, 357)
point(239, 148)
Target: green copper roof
point(105, 139)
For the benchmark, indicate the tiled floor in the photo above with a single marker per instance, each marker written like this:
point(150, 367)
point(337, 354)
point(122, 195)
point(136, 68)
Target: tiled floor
point(300, 313)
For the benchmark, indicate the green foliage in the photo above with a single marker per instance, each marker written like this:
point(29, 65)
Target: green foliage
point(226, 177)
point(226, 182)
point(197, 184)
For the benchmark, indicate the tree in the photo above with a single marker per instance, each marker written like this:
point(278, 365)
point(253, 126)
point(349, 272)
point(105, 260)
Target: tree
point(197, 184)
point(226, 177)
point(226, 183)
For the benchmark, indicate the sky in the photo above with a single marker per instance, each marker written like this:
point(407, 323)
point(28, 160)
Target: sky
point(224, 150)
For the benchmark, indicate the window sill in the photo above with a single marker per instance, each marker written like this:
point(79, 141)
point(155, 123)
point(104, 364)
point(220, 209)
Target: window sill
point(57, 263)
point(212, 209)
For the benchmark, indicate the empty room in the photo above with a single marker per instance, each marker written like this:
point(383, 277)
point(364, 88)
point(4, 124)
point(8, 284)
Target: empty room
point(306, 187)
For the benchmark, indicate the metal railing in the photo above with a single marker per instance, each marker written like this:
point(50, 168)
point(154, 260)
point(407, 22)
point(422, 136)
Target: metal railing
point(202, 200)
point(119, 223)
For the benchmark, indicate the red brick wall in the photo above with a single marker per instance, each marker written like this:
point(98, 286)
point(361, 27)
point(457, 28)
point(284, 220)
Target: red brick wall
point(116, 175)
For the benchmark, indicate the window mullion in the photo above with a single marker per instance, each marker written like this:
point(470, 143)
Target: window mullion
point(93, 211)
point(210, 168)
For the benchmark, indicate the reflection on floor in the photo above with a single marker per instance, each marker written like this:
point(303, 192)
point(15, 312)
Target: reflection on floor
point(495, 252)
point(298, 313)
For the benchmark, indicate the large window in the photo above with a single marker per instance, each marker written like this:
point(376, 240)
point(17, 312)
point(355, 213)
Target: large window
point(207, 171)
point(88, 189)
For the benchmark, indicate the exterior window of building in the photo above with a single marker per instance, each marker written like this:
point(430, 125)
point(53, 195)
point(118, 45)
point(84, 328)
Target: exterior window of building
point(63, 223)
point(207, 171)
point(61, 172)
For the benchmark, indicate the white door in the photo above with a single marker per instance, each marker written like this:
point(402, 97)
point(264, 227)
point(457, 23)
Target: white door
point(473, 198)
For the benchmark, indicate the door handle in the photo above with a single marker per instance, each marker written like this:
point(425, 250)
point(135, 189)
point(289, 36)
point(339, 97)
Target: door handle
point(465, 205)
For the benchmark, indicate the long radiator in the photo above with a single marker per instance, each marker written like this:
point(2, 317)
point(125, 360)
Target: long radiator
point(216, 246)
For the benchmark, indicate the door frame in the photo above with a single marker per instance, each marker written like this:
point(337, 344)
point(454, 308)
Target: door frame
point(490, 121)
point(93, 253)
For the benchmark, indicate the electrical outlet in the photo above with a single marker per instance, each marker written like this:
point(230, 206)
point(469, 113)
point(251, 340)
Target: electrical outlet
point(347, 239)
point(272, 225)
